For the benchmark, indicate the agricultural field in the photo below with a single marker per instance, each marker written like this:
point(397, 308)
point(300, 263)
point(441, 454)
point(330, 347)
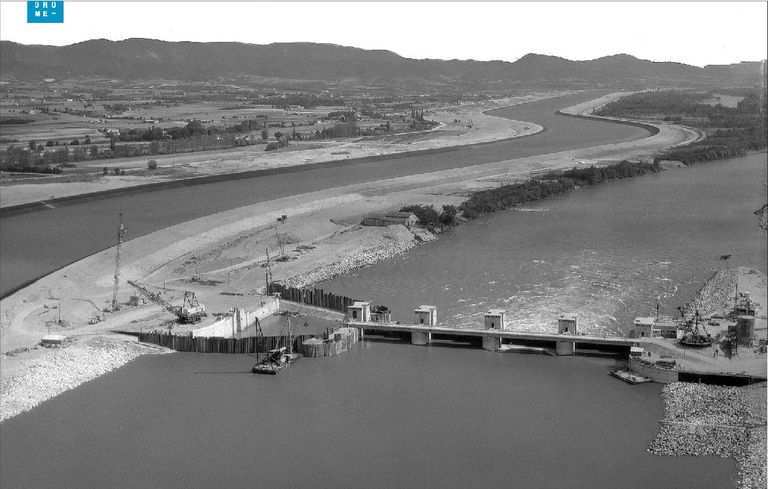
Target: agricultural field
point(55, 127)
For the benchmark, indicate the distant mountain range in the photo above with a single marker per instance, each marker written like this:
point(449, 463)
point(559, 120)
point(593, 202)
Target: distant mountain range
point(135, 59)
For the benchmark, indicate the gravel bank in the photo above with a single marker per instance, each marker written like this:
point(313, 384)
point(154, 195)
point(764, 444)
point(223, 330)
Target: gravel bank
point(361, 259)
point(727, 422)
point(717, 292)
point(63, 369)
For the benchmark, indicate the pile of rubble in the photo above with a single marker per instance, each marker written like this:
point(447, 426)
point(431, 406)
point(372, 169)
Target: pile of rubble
point(713, 420)
point(361, 259)
point(714, 296)
point(63, 369)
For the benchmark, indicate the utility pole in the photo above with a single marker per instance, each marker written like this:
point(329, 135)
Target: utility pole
point(120, 236)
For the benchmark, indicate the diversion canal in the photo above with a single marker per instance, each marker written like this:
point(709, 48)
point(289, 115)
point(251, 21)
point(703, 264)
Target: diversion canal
point(33, 244)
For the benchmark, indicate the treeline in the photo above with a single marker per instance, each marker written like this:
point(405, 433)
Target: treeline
point(552, 183)
point(430, 218)
point(507, 196)
point(686, 106)
point(306, 101)
point(14, 120)
point(730, 131)
point(192, 129)
point(35, 160)
point(646, 104)
point(47, 169)
point(723, 143)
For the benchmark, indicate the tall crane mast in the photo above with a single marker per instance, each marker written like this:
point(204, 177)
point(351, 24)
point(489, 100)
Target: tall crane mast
point(120, 237)
point(268, 275)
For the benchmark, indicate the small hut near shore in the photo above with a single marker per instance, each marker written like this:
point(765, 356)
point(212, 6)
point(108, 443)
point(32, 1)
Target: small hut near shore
point(384, 219)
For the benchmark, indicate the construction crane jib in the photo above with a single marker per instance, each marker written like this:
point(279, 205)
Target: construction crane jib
point(191, 311)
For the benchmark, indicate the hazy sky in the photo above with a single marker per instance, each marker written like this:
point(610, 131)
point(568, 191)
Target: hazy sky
point(696, 33)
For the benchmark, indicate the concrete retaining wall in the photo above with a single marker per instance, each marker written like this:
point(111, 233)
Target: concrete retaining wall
point(238, 324)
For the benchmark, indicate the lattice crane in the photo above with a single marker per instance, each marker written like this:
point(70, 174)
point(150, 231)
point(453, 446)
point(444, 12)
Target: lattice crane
point(191, 311)
point(120, 237)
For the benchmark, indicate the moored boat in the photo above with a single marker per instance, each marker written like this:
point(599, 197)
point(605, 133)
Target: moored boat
point(275, 361)
point(629, 377)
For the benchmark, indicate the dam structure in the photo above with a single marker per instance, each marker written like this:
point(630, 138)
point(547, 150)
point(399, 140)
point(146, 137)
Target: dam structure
point(493, 337)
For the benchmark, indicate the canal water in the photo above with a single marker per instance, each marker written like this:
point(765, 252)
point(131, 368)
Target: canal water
point(389, 414)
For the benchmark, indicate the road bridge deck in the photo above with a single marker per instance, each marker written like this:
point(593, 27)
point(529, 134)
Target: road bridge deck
point(503, 334)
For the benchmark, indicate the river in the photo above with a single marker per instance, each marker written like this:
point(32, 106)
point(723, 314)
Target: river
point(608, 252)
point(390, 414)
point(380, 416)
point(36, 243)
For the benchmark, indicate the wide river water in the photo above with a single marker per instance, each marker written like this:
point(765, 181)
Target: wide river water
point(392, 415)
point(36, 243)
point(609, 253)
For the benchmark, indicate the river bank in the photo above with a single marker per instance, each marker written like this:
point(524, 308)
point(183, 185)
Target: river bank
point(728, 422)
point(458, 126)
point(41, 374)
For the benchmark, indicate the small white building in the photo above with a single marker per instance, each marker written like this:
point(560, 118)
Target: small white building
point(384, 219)
point(359, 312)
point(426, 315)
point(567, 323)
point(52, 340)
point(642, 327)
point(666, 327)
point(495, 319)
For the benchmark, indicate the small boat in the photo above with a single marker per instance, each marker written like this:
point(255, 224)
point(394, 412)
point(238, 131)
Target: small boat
point(275, 361)
point(629, 377)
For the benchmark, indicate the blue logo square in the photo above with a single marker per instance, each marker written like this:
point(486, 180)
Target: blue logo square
point(45, 12)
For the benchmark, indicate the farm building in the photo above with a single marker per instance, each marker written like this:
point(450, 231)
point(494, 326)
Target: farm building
point(384, 219)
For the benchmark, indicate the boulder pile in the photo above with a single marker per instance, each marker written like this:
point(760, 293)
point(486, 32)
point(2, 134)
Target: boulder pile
point(715, 294)
point(361, 259)
point(704, 419)
point(61, 370)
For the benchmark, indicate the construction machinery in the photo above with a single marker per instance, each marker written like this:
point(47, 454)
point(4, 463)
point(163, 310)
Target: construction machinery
point(114, 305)
point(191, 311)
point(693, 336)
